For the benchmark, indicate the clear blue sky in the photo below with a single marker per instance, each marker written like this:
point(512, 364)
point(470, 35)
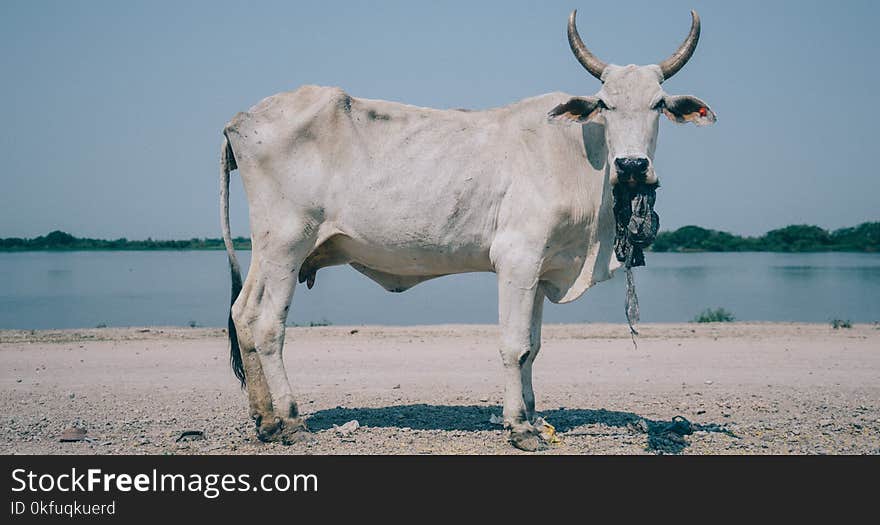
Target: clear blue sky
point(112, 111)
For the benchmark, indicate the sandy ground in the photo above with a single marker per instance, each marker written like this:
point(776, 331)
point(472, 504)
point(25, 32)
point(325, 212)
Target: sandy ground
point(745, 388)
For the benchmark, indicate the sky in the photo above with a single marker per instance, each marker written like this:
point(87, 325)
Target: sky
point(113, 111)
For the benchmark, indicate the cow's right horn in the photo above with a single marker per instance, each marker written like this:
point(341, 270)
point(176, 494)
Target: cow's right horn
point(587, 59)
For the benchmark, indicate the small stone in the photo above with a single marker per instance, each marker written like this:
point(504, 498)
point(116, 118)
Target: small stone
point(708, 381)
point(190, 435)
point(395, 387)
point(71, 395)
point(72, 435)
point(640, 426)
point(348, 428)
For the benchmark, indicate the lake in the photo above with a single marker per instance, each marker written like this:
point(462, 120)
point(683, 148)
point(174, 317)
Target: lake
point(88, 289)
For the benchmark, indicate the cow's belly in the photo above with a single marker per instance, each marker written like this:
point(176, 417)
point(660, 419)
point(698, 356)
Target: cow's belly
point(413, 256)
point(416, 224)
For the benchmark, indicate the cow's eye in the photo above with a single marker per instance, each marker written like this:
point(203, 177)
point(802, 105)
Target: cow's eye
point(601, 104)
point(658, 105)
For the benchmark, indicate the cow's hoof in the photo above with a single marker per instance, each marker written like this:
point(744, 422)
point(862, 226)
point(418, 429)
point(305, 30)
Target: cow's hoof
point(528, 440)
point(267, 429)
point(287, 431)
point(296, 433)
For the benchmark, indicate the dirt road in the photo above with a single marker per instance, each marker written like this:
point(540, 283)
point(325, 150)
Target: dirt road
point(744, 388)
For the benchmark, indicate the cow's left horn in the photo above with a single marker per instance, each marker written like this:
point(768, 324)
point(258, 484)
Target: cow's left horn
point(587, 59)
point(674, 63)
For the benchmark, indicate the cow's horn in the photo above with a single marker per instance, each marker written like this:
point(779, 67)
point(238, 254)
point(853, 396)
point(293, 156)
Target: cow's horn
point(587, 59)
point(674, 63)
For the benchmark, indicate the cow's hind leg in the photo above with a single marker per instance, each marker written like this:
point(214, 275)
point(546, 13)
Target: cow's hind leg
point(258, 391)
point(517, 300)
point(262, 314)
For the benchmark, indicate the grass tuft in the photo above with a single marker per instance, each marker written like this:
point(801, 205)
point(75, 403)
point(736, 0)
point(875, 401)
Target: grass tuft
point(714, 315)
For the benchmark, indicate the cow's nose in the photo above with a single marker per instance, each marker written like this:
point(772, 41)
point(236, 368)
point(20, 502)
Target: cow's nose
point(632, 166)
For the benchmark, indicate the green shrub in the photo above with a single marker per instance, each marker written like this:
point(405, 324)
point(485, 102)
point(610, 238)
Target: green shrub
point(714, 315)
point(840, 323)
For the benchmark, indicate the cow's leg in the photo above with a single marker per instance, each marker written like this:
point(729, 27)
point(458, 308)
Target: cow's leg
point(517, 301)
point(535, 340)
point(272, 280)
point(258, 390)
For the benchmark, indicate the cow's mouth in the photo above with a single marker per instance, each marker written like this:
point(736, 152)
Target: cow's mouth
point(637, 222)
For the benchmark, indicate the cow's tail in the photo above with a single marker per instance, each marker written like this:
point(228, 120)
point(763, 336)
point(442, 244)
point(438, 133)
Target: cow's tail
point(227, 164)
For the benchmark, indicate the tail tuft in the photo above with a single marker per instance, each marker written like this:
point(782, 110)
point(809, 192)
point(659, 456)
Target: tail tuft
point(235, 352)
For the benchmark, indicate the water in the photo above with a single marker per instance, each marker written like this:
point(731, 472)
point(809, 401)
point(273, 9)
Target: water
point(88, 289)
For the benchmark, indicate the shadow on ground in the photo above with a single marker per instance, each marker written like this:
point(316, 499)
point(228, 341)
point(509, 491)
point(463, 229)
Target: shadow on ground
point(664, 437)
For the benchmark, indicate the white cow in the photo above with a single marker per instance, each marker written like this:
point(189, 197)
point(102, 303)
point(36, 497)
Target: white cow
point(404, 194)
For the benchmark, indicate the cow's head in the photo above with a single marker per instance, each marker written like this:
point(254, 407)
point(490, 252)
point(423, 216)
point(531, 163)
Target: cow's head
point(629, 105)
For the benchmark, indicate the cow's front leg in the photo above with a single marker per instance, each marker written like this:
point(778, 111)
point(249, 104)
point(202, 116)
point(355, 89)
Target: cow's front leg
point(535, 340)
point(518, 299)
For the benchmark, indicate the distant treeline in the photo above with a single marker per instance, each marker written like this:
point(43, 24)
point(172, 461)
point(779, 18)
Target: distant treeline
point(62, 241)
point(800, 238)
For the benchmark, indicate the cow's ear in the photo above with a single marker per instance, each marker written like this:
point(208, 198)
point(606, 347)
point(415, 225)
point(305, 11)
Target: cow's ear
point(685, 108)
point(578, 109)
